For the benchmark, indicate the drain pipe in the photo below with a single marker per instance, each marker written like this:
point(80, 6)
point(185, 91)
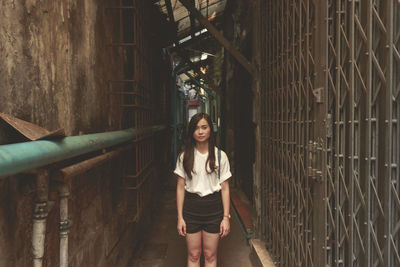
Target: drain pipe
point(65, 224)
point(41, 211)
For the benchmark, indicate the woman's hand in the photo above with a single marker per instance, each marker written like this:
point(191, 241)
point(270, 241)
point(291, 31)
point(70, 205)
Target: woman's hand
point(181, 227)
point(180, 198)
point(225, 227)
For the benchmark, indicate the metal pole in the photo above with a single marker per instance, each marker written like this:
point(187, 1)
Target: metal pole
point(176, 69)
point(20, 157)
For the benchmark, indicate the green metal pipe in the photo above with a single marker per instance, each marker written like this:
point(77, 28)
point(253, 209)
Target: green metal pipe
point(20, 157)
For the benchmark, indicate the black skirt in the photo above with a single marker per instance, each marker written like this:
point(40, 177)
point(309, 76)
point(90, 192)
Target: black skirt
point(203, 213)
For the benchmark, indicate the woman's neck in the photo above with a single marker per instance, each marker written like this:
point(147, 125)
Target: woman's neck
point(202, 147)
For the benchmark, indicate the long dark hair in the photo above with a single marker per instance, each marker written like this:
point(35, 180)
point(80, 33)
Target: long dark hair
point(190, 144)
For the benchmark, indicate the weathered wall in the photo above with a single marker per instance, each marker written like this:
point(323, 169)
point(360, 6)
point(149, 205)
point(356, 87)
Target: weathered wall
point(103, 232)
point(52, 73)
point(54, 67)
point(15, 230)
point(54, 63)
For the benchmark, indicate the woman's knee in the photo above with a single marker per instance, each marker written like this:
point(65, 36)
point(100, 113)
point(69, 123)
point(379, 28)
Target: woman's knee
point(210, 256)
point(194, 255)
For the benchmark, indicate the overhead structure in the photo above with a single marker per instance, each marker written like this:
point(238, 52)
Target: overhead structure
point(211, 9)
point(204, 21)
point(181, 13)
point(196, 69)
point(172, 20)
point(187, 29)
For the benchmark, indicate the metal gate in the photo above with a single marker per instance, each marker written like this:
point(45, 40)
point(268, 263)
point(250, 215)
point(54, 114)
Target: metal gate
point(329, 134)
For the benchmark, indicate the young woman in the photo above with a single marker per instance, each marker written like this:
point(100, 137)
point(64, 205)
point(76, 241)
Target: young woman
point(202, 192)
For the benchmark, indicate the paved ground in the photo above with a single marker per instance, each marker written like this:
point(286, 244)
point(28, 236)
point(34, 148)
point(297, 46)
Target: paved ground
point(165, 248)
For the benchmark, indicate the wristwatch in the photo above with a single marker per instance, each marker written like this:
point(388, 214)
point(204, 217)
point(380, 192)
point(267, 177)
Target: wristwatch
point(227, 216)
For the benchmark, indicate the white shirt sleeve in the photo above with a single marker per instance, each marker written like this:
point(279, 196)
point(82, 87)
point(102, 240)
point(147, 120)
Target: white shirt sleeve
point(225, 170)
point(179, 170)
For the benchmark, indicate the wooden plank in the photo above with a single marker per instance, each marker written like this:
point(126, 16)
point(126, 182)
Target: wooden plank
point(192, 22)
point(172, 20)
point(214, 31)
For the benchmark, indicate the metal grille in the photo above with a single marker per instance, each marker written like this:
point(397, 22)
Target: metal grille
point(287, 124)
point(393, 136)
point(136, 53)
point(352, 153)
point(330, 141)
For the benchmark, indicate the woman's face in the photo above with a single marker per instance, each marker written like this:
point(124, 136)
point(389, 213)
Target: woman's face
point(202, 131)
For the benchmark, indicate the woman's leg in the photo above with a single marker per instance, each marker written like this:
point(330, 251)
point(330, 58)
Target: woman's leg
point(193, 243)
point(210, 248)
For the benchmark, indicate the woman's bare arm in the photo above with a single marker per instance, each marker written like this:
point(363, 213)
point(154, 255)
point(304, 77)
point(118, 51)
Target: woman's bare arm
point(225, 224)
point(180, 197)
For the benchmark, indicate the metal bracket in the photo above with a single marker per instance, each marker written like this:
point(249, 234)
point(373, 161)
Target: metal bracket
point(329, 125)
point(65, 225)
point(318, 94)
point(315, 158)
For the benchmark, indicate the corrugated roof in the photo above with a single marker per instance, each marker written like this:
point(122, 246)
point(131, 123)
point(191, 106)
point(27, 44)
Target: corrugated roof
point(209, 8)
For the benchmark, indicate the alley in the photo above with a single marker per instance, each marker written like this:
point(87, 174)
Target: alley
point(163, 247)
point(96, 99)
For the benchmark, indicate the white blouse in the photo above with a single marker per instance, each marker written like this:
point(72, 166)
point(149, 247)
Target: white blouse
point(203, 183)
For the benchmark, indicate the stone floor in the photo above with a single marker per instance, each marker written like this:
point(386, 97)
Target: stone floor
point(163, 247)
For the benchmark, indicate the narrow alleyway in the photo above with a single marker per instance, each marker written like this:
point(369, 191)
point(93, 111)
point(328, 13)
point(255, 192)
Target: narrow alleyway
point(164, 248)
point(95, 102)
